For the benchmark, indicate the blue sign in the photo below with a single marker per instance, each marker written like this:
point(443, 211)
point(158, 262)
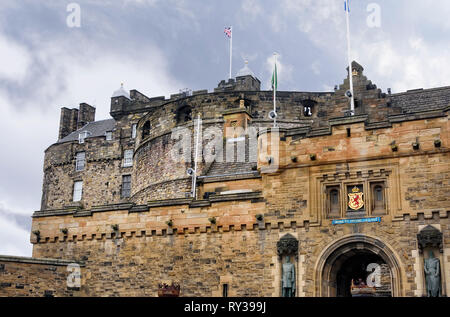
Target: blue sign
point(360, 220)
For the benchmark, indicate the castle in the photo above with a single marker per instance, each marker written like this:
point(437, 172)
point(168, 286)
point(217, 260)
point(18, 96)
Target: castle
point(343, 198)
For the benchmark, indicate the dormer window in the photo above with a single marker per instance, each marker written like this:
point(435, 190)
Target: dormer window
point(108, 135)
point(83, 135)
point(146, 130)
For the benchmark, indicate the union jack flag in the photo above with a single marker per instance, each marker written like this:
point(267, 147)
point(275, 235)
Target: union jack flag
point(228, 32)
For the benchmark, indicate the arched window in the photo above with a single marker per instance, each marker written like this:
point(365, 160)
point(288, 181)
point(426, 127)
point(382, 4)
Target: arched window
point(334, 201)
point(334, 208)
point(378, 199)
point(308, 107)
point(184, 114)
point(146, 129)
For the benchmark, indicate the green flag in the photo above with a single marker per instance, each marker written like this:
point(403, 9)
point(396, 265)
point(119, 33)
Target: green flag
point(275, 78)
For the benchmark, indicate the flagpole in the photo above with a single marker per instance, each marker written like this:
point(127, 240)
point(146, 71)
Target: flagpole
point(275, 92)
point(350, 72)
point(231, 48)
point(194, 177)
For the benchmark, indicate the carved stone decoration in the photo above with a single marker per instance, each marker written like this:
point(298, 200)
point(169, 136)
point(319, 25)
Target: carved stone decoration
point(430, 237)
point(165, 290)
point(287, 245)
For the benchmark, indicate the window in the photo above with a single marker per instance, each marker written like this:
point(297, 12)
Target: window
point(225, 290)
point(128, 158)
point(80, 161)
point(378, 198)
point(77, 190)
point(83, 135)
point(146, 129)
point(184, 114)
point(126, 185)
point(109, 135)
point(333, 202)
point(133, 131)
point(308, 106)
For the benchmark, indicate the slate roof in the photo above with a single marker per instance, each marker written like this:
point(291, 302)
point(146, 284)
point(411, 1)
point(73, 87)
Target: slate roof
point(96, 128)
point(420, 100)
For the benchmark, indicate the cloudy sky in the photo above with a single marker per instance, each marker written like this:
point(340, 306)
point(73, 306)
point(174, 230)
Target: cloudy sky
point(161, 46)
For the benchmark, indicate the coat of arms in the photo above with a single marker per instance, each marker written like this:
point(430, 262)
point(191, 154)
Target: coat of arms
point(355, 199)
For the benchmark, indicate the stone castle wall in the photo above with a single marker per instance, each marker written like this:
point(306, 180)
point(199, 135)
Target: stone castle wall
point(130, 245)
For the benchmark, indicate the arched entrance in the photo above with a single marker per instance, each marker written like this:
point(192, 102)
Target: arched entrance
point(355, 258)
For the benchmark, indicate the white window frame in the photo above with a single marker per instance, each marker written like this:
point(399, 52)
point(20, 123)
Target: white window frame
point(128, 158)
point(80, 161)
point(123, 187)
point(108, 135)
point(77, 191)
point(134, 131)
point(83, 135)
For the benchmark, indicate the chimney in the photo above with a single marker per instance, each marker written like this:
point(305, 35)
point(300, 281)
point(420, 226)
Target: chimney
point(85, 115)
point(68, 122)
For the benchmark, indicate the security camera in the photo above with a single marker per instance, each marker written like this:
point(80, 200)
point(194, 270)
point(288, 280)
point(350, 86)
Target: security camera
point(348, 94)
point(272, 115)
point(190, 171)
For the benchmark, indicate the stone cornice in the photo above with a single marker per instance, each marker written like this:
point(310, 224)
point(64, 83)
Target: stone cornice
point(28, 260)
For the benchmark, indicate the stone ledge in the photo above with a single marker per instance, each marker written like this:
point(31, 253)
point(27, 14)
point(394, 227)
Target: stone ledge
point(43, 261)
point(113, 207)
point(238, 196)
point(416, 116)
point(348, 120)
point(225, 177)
point(200, 203)
point(55, 212)
point(139, 208)
point(169, 202)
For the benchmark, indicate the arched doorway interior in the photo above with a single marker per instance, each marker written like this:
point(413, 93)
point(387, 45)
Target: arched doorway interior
point(356, 258)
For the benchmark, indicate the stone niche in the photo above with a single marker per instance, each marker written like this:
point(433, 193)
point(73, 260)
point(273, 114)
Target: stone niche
point(287, 246)
point(430, 239)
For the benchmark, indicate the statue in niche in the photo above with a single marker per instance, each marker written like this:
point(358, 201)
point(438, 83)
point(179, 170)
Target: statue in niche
point(432, 276)
point(288, 278)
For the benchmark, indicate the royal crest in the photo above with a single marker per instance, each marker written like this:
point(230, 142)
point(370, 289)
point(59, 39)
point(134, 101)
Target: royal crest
point(355, 199)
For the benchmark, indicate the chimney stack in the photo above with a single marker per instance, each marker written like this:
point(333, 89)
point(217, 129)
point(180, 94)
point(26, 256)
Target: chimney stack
point(74, 119)
point(86, 114)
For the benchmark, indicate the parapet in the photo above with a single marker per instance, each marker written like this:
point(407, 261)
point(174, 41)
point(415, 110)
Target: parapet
point(241, 83)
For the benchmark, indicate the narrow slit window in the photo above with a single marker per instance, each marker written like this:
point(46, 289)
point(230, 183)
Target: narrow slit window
point(225, 290)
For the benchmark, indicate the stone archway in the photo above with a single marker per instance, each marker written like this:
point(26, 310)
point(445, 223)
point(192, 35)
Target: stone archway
point(330, 276)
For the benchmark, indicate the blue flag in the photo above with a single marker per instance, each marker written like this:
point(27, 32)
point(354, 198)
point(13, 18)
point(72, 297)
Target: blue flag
point(347, 5)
